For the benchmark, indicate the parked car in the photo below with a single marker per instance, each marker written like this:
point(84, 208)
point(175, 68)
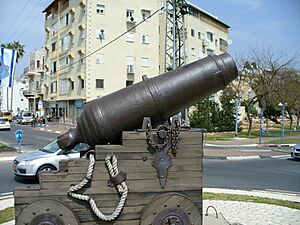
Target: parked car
point(8, 115)
point(4, 123)
point(44, 159)
point(25, 117)
point(296, 152)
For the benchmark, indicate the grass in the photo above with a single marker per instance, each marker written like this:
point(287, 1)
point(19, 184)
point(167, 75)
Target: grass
point(246, 198)
point(7, 215)
point(4, 147)
point(227, 136)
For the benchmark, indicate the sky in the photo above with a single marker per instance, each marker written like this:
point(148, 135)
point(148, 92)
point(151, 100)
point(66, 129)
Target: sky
point(273, 24)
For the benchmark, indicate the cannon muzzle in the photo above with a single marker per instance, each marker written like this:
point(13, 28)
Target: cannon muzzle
point(104, 119)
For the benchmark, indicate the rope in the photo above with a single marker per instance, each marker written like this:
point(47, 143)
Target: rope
point(112, 165)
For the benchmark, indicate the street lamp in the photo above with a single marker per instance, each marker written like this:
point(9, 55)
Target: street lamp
point(282, 105)
point(236, 101)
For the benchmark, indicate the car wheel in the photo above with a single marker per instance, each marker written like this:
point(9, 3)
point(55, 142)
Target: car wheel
point(42, 169)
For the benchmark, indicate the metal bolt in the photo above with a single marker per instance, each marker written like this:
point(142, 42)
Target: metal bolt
point(150, 223)
point(154, 212)
point(144, 158)
point(162, 159)
point(178, 204)
point(165, 205)
point(33, 213)
point(189, 212)
point(48, 210)
point(162, 176)
point(60, 214)
point(26, 223)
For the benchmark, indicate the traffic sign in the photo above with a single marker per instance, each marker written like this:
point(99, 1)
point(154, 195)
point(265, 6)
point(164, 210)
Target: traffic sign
point(19, 135)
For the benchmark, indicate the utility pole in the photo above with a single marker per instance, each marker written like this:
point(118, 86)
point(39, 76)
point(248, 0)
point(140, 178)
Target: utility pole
point(175, 34)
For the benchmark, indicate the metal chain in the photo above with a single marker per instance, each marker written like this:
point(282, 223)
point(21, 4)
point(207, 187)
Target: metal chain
point(173, 132)
point(150, 142)
point(175, 137)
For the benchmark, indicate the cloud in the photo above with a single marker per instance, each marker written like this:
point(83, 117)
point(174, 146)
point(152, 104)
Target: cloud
point(248, 4)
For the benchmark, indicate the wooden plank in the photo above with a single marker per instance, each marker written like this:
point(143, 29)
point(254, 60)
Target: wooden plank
point(173, 184)
point(141, 135)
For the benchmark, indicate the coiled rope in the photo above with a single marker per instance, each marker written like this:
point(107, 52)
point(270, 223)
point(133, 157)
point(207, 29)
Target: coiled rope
point(112, 166)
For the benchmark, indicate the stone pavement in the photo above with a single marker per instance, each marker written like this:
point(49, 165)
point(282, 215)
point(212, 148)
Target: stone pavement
point(237, 213)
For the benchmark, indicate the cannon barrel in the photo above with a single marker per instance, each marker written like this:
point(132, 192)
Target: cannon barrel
point(160, 97)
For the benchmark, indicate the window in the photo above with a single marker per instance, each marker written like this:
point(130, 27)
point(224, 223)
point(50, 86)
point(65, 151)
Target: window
point(82, 83)
point(192, 33)
point(72, 85)
point(53, 87)
point(130, 37)
point(100, 34)
point(64, 21)
point(64, 61)
point(100, 9)
point(64, 41)
point(216, 43)
point(54, 29)
point(99, 58)
point(145, 62)
point(130, 62)
point(129, 13)
point(129, 82)
point(99, 83)
point(145, 39)
point(38, 64)
point(210, 36)
point(146, 14)
point(53, 46)
point(223, 43)
point(63, 86)
point(53, 67)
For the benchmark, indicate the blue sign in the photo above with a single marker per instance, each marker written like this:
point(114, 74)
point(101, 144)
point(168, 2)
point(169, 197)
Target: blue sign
point(19, 135)
point(262, 132)
point(78, 103)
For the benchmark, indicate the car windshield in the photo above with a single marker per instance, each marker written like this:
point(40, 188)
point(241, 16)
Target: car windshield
point(27, 114)
point(3, 119)
point(50, 148)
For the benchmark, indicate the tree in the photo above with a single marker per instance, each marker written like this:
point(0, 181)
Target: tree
point(260, 74)
point(16, 46)
point(227, 113)
point(205, 115)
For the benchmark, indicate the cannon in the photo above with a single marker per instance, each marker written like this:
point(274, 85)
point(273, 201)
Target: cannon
point(159, 179)
point(104, 119)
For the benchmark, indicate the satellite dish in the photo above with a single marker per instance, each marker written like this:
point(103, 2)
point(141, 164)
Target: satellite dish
point(229, 41)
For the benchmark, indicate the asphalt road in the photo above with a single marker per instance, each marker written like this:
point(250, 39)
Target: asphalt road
point(276, 174)
point(32, 138)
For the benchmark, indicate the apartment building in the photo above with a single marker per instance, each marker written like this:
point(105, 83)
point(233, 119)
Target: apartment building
point(82, 64)
point(35, 74)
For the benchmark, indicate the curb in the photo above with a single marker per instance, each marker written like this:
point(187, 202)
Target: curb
point(244, 157)
point(250, 145)
point(9, 158)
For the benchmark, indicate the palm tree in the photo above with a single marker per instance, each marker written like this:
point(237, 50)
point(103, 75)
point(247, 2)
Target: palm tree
point(16, 46)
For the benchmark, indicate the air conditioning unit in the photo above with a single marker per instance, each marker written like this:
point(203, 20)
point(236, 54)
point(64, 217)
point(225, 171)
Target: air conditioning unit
point(130, 69)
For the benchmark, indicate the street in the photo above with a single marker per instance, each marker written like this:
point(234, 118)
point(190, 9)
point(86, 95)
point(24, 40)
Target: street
point(276, 174)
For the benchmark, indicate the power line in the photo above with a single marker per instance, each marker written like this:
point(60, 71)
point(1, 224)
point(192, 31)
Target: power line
point(15, 20)
point(25, 20)
point(115, 39)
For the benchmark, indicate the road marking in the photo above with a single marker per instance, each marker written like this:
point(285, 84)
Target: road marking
point(243, 157)
point(10, 158)
point(6, 193)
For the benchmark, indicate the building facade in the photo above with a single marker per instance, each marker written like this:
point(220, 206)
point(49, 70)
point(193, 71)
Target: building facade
point(14, 96)
point(35, 74)
point(82, 63)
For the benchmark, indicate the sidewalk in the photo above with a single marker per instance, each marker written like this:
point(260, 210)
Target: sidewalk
point(238, 213)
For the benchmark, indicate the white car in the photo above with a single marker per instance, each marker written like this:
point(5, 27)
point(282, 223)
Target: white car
point(45, 159)
point(4, 123)
point(25, 118)
point(296, 151)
